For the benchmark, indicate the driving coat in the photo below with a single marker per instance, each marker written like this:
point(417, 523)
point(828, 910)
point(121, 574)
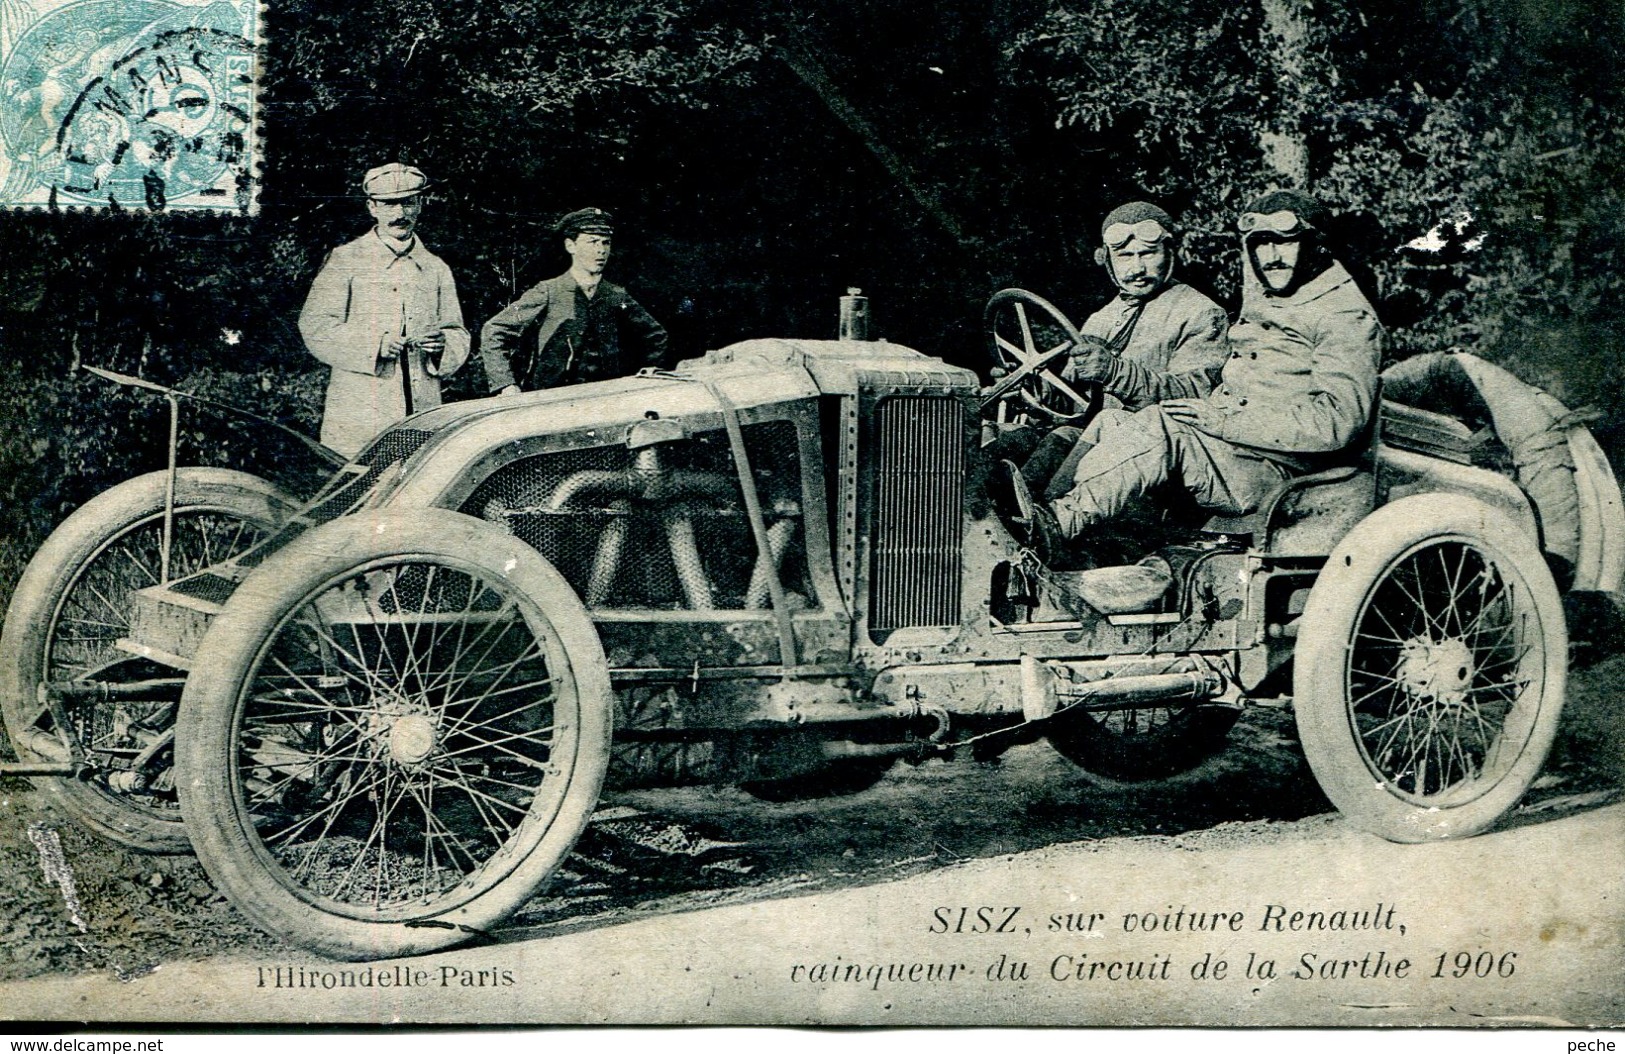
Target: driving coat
point(1301, 381)
point(578, 338)
point(1171, 348)
point(366, 295)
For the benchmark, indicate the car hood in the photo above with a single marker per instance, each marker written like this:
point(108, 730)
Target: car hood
point(749, 373)
point(453, 439)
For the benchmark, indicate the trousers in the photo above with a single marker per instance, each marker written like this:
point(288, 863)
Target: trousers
point(1135, 452)
point(1046, 459)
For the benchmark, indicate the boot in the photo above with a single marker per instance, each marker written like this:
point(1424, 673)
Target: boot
point(1012, 499)
point(1029, 522)
point(1044, 536)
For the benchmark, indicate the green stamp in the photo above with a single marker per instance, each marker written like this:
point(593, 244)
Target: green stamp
point(129, 104)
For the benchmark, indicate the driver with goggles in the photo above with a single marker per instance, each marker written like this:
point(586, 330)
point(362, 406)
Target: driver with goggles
point(1297, 390)
point(1162, 339)
point(1157, 339)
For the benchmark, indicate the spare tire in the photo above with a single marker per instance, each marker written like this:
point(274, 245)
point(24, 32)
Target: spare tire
point(1533, 426)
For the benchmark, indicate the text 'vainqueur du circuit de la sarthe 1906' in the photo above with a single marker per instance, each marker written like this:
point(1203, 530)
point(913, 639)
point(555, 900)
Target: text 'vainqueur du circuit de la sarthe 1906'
point(1196, 946)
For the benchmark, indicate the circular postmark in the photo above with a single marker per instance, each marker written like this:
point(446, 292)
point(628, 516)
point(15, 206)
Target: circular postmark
point(131, 102)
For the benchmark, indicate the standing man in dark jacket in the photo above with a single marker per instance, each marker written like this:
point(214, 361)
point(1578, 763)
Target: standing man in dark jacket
point(1298, 389)
point(587, 328)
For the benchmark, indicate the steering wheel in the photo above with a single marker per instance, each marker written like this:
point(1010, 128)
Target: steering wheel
point(1029, 338)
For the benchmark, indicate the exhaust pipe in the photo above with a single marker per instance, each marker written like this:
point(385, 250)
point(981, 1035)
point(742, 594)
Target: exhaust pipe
point(1145, 691)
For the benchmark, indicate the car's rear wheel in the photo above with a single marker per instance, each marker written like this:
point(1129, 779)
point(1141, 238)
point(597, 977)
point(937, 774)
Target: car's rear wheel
point(70, 610)
point(397, 730)
point(1430, 669)
point(1141, 745)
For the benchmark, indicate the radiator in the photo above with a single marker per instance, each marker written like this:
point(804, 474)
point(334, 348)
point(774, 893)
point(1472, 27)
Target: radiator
point(919, 498)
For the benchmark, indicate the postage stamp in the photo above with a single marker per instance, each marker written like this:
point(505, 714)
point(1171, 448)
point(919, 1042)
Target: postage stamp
point(128, 104)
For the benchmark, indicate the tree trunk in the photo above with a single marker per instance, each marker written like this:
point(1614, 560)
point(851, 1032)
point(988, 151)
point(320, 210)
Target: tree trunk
point(1286, 42)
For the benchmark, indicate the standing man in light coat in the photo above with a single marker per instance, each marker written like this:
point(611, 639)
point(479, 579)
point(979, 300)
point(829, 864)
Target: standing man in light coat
point(383, 313)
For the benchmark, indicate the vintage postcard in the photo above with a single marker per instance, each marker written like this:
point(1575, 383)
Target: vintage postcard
point(629, 512)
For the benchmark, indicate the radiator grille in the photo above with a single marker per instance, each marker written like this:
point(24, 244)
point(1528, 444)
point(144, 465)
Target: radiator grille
point(919, 492)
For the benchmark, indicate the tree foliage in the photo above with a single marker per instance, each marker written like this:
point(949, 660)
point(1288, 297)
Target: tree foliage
point(763, 157)
point(1472, 152)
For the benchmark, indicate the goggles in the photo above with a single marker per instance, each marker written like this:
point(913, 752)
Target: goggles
point(1150, 231)
point(1285, 222)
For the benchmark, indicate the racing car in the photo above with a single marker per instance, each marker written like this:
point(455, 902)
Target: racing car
point(383, 715)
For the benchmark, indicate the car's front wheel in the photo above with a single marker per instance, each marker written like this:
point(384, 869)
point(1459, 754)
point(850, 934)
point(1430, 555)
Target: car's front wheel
point(394, 734)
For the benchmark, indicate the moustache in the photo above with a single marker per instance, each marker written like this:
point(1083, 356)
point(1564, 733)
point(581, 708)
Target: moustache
point(1277, 267)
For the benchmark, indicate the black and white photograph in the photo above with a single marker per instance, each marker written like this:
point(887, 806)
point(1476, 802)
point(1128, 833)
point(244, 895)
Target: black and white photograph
point(681, 512)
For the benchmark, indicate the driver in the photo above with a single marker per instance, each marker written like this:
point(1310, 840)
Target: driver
point(1157, 339)
point(1299, 387)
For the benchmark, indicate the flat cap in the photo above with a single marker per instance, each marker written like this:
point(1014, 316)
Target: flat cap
point(587, 221)
point(394, 181)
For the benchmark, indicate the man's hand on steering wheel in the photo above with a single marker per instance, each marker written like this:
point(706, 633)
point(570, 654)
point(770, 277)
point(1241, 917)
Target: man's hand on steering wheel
point(1091, 360)
point(1031, 340)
